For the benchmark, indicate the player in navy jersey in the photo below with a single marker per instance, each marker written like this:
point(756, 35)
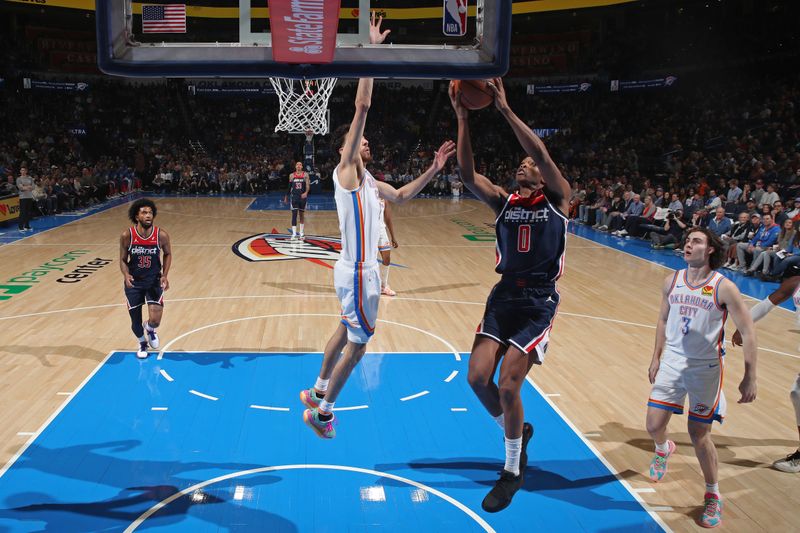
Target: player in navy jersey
point(531, 229)
point(141, 248)
point(299, 185)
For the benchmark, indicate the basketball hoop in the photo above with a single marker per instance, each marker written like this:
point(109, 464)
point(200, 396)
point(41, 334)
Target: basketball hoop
point(303, 104)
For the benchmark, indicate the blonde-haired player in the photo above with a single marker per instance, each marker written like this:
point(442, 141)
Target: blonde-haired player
point(355, 276)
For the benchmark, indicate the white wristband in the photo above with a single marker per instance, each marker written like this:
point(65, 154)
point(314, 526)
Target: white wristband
point(761, 309)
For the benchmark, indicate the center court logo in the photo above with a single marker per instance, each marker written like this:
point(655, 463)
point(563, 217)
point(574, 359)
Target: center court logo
point(279, 247)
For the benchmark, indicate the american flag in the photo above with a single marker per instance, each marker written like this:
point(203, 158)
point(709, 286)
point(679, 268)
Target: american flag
point(164, 18)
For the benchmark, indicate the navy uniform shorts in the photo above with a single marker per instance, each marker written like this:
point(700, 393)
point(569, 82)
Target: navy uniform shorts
point(299, 203)
point(521, 313)
point(144, 291)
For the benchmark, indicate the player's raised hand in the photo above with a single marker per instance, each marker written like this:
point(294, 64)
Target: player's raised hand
point(496, 86)
point(375, 34)
point(445, 152)
point(455, 100)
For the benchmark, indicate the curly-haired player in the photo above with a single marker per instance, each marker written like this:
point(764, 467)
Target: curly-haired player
point(145, 271)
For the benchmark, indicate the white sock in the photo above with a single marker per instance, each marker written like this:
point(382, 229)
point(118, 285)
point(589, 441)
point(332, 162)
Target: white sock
point(325, 406)
point(148, 327)
point(301, 228)
point(663, 448)
point(513, 451)
point(321, 385)
point(500, 421)
point(385, 275)
point(713, 488)
point(294, 230)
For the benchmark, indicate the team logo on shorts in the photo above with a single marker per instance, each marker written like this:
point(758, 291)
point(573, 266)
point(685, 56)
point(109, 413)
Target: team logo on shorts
point(708, 290)
point(280, 247)
point(701, 408)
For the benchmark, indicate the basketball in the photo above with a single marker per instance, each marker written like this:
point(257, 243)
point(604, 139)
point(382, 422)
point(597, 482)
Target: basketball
point(475, 94)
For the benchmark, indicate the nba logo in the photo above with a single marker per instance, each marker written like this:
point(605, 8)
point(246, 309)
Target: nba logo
point(455, 18)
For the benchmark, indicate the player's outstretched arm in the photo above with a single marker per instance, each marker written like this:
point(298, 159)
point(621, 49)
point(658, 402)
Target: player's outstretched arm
point(410, 190)
point(760, 310)
point(731, 298)
point(533, 146)
point(166, 250)
point(348, 169)
point(480, 185)
point(661, 329)
point(124, 244)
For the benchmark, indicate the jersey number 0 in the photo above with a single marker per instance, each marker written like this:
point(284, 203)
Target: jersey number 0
point(524, 238)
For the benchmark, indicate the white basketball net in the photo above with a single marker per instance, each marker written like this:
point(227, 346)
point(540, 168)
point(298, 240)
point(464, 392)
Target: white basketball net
point(303, 104)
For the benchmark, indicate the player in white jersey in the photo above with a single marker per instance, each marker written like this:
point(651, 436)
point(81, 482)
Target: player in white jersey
point(356, 277)
point(789, 288)
point(688, 359)
point(386, 242)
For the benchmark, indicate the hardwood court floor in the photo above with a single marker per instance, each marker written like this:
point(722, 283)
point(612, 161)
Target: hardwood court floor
point(54, 334)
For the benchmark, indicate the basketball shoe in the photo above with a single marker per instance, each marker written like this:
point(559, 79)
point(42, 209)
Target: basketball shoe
point(503, 491)
point(712, 510)
point(309, 398)
point(141, 353)
point(323, 429)
point(790, 464)
point(386, 290)
point(151, 336)
point(658, 466)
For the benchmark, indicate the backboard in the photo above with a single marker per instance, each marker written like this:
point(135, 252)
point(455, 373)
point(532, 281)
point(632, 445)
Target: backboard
point(439, 40)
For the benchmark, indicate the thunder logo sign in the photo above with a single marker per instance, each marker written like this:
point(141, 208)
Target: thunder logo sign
point(279, 247)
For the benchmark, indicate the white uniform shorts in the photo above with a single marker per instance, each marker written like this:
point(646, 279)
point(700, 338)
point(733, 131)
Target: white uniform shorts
point(700, 379)
point(383, 240)
point(358, 287)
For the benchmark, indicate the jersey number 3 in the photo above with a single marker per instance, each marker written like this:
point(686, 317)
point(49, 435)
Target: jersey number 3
point(686, 322)
point(524, 238)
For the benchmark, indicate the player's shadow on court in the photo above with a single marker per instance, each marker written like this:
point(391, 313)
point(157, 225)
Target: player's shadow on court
point(42, 352)
point(130, 502)
point(542, 477)
point(228, 357)
point(439, 288)
point(302, 288)
point(726, 446)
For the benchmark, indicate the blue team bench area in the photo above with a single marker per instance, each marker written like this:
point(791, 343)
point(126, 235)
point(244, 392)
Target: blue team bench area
point(215, 442)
